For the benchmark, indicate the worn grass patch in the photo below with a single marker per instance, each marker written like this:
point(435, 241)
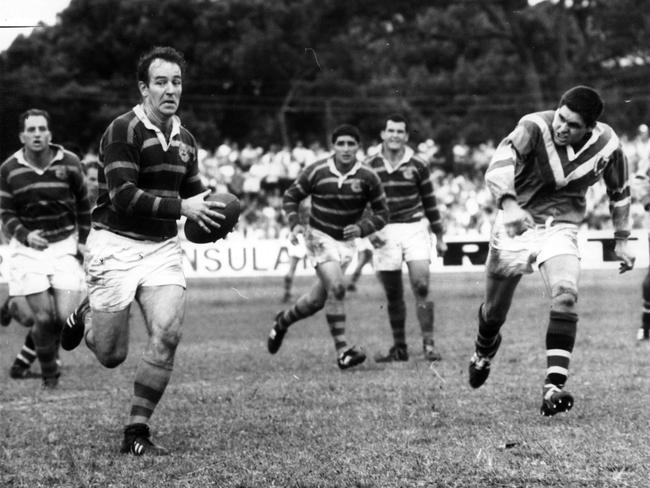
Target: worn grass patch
point(235, 416)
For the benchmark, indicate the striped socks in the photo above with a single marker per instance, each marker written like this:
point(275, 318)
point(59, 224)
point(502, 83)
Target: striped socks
point(560, 339)
point(151, 379)
point(27, 354)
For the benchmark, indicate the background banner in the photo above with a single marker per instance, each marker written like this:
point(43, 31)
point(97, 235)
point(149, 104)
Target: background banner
point(236, 256)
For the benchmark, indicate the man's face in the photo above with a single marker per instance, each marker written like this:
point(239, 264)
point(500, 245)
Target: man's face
point(345, 150)
point(162, 94)
point(394, 135)
point(568, 127)
point(36, 135)
point(92, 183)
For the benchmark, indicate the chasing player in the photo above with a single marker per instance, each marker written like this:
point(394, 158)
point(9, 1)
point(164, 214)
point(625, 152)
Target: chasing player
point(539, 175)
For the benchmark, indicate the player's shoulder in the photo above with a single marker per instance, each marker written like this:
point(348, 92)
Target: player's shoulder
point(317, 165)
point(70, 157)
point(11, 161)
point(418, 161)
point(606, 130)
point(368, 173)
point(122, 128)
point(537, 120)
point(186, 136)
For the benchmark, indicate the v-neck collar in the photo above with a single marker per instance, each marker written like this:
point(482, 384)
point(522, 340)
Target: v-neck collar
point(176, 127)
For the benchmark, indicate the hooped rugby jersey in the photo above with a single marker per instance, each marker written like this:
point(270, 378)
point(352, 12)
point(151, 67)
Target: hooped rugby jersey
point(550, 180)
point(338, 200)
point(409, 189)
point(53, 199)
point(143, 177)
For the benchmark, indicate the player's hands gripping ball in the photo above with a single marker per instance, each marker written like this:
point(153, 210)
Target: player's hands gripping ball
point(216, 221)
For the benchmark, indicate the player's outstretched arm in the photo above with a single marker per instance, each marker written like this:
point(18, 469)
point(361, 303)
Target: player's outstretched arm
point(625, 253)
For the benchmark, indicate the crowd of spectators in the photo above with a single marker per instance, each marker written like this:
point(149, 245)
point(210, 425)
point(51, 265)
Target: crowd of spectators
point(259, 177)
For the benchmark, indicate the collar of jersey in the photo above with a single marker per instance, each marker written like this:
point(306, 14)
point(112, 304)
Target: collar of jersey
point(176, 126)
point(341, 176)
point(406, 157)
point(58, 155)
point(595, 134)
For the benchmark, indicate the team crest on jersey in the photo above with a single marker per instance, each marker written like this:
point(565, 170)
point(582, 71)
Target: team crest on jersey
point(355, 186)
point(408, 173)
point(184, 152)
point(600, 166)
point(61, 172)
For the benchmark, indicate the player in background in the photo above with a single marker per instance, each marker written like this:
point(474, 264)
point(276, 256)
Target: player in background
point(364, 257)
point(148, 179)
point(413, 214)
point(296, 250)
point(46, 215)
point(539, 175)
point(340, 188)
point(91, 172)
point(17, 308)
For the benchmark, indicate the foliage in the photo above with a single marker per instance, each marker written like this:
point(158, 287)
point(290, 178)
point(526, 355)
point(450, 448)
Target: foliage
point(291, 69)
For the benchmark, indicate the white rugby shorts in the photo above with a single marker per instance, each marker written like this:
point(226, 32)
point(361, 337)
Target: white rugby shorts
point(297, 250)
point(403, 242)
point(30, 271)
point(322, 248)
point(116, 266)
point(363, 244)
point(511, 256)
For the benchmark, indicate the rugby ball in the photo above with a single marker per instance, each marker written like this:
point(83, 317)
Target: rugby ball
point(194, 233)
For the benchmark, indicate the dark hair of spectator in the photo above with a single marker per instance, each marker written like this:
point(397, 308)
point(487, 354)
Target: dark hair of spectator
point(33, 112)
point(398, 118)
point(346, 130)
point(584, 101)
point(86, 165)
point(165, 53)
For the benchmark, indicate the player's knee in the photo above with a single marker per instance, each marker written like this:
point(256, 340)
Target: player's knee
point(169, 340)
point(111, 359)
point(421, 288)
point(338, 290)
point(43, 319)
point(564, 296)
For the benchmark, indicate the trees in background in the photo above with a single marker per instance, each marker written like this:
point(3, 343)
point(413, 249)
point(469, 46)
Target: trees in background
point(290, 69)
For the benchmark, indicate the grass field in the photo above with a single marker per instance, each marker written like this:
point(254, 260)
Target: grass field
point(235, 416)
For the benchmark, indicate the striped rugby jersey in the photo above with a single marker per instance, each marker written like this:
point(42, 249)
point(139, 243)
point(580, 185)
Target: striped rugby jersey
point(143, 177)
point(409, 189)
point(338, 200)
point(550, 180)
point(53, 199)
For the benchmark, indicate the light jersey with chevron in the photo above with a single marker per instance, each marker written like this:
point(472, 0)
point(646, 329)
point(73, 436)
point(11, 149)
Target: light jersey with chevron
point(550, 180)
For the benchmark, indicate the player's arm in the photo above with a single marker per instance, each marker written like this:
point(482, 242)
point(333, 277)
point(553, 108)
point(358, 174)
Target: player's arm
point(296, 193)
point(82, 204)
point(618, 191)
point(11, 224)
point(377, 218)
point(122, 171)
point(500, 179)
point(431, 211)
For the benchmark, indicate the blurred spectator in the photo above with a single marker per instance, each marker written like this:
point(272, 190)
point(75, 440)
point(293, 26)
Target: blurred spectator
point(640, 154)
